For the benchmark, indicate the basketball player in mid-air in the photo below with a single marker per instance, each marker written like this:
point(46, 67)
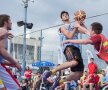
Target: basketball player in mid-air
point(71, 52)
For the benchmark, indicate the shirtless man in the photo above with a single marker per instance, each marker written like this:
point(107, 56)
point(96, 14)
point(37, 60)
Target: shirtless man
point(5, 58)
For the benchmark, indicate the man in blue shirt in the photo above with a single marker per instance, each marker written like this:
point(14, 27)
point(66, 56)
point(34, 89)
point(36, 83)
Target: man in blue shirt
point(104, 82)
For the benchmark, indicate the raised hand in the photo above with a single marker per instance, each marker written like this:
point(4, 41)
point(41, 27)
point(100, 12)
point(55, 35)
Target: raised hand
point(10, 35)
point(77, 24)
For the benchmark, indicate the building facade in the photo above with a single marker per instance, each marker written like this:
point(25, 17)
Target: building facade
point(15, 47)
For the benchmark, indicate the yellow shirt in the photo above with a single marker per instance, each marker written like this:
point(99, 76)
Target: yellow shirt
point(1, 83)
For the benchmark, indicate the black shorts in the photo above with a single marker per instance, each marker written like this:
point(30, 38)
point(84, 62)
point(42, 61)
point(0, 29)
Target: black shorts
point(73, 53)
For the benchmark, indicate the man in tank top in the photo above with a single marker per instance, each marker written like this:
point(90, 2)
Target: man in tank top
point(71, 52)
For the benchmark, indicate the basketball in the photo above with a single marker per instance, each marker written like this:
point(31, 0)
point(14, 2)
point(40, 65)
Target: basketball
point(80, 15)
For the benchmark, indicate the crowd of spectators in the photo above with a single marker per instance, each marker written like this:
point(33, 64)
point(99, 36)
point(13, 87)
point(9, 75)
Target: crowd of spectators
point(91, 79)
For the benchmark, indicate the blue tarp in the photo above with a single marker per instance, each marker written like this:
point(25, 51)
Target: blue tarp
point(43, 64)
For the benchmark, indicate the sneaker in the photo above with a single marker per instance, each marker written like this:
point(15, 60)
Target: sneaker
point(56, 83)
point(45, 75)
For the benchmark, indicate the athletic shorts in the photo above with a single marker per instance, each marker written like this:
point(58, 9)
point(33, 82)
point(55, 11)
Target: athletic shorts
point(8, 79)
point(73, 53)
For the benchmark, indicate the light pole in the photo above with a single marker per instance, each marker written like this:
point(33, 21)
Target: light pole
point(40, 54)
point(26, 25)
point(24, 38)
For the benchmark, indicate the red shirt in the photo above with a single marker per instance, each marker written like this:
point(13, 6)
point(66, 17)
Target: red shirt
point(91, 78)
point(95, 80)
point(28, 73)
point(92, 67)
point(96, 39)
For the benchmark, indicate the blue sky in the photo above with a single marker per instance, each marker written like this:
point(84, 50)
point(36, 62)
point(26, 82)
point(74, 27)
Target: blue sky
point(45, 13)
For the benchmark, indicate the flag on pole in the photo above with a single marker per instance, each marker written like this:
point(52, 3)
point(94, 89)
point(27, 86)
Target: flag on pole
point(60, 55)
point(89, 55)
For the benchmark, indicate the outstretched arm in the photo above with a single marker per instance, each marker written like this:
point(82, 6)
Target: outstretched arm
point(78, 41)
point(5, 62)
point(9, 58)
point(6, 55)
point(82, 28)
